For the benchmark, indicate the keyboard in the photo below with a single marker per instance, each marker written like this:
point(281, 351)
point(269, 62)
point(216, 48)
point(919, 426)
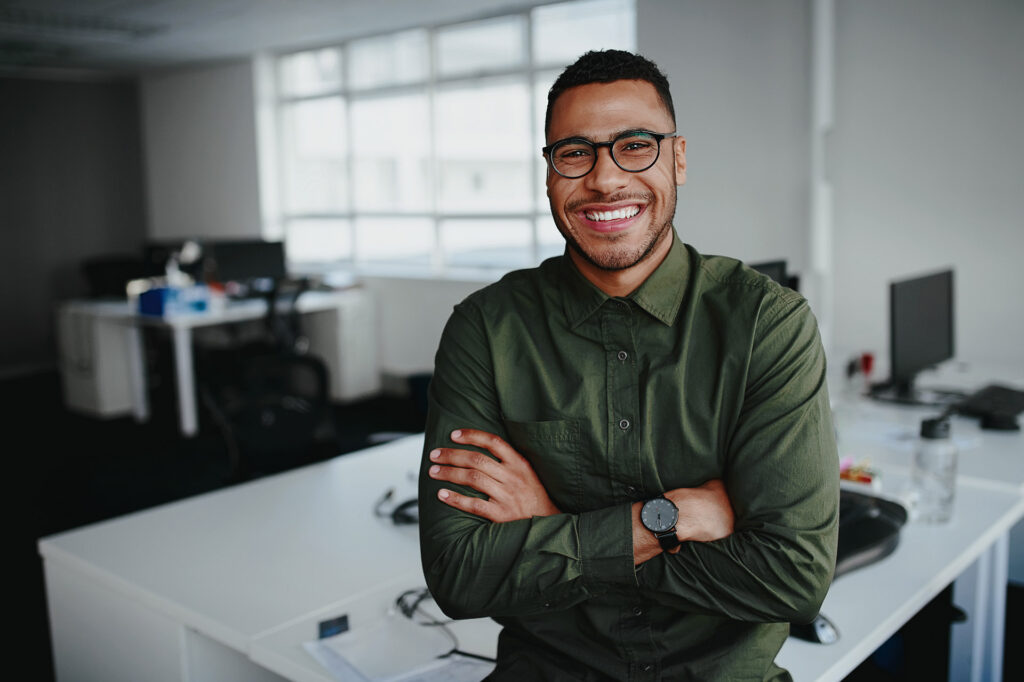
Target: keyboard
point(994, 399)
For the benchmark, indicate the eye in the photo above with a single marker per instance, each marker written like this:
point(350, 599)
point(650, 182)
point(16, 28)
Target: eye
point(572, 152)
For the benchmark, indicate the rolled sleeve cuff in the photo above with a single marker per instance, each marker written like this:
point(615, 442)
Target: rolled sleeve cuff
point(606, 548)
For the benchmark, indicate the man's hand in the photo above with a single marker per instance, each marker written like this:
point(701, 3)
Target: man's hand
point(705, 514)
point(512, 486)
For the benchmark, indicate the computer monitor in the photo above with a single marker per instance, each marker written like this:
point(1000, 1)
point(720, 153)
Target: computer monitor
point(921, 331)
point(252, 263)
point(776, 269)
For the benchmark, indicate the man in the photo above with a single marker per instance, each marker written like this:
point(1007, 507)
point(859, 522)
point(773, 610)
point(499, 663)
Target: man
point(629, 458)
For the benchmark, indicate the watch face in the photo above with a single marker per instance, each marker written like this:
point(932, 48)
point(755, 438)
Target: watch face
point(658, 515)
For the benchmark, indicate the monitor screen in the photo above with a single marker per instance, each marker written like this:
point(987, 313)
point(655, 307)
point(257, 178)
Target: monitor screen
point(920, 326)
point(776, 269)
point(245, 260)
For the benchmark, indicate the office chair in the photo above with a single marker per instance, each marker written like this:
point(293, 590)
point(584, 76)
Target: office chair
point(268, 397)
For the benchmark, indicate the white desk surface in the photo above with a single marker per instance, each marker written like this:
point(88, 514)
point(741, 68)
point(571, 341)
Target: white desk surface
point(884, 434)
point(236, 562)
point(870, 604)
point(225, 312)
point(256, 566)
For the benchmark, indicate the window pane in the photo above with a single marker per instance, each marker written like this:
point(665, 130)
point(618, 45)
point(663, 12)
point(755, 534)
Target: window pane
point(563, 32)
point(315, 164)
point(549, 239)
point(318, 241)
point(484, 147)
point(391, 150)
point(310, 73)
point(481, 45)
point(542, 83)
point(406, 241)
point(487, 243)
point(389, 60)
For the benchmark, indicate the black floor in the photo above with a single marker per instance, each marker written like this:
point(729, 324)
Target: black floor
point(70, 470)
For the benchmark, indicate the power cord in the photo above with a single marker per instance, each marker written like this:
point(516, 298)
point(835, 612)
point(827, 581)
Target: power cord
point(409, 603)
point(404, 514)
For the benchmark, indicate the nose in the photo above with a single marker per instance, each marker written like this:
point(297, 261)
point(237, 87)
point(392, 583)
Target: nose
point(606, 177)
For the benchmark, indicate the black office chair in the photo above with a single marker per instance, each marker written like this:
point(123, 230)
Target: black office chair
point(268, 397)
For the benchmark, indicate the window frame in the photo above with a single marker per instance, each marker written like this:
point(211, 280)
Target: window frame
point(535, 211)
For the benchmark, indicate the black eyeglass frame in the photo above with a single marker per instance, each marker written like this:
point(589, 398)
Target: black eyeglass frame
point(596, 146)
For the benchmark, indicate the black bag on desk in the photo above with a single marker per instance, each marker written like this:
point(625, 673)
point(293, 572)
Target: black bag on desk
point(869, 529)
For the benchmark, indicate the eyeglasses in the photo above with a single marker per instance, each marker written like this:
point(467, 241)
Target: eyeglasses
point(633, 151)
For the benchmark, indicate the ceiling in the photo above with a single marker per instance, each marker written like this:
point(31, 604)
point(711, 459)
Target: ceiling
point(133, 36)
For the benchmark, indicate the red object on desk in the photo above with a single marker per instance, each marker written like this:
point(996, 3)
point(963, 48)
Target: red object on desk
point(867, 362)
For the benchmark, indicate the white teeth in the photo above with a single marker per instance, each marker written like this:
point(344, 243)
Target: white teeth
point(617, 214)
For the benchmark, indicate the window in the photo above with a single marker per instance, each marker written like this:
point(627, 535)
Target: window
point(420, 149)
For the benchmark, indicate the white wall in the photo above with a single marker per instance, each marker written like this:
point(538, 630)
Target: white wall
point(739, 72)
point(927, 166)
point(411, 313)
point(199, 135)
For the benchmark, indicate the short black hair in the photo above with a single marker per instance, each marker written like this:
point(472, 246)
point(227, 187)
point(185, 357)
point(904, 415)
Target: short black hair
point(605, 66)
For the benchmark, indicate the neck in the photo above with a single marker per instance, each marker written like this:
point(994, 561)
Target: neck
point(618, 283)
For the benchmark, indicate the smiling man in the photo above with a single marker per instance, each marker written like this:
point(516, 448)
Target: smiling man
point(629, 459)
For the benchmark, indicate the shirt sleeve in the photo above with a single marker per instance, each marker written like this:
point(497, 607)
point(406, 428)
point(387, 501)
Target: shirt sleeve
point(474, 567)
point(782, 479)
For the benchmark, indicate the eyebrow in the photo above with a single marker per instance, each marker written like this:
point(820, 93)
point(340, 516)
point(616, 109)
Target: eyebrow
point(611, 137)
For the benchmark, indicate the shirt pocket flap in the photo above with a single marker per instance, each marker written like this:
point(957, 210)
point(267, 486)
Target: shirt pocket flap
point(553, 449)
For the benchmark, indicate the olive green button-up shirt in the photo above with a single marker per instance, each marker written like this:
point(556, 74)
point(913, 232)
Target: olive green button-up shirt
point(708, 370)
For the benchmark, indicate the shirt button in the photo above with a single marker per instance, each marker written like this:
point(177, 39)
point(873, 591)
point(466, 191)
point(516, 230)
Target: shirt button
point(648, 668)
point(623, 355)
point(630, 490)
point(623, 424)
point(637, 611)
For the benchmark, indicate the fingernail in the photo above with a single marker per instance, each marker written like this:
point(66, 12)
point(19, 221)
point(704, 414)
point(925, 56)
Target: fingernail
point(443, 494)
point(434, 469)
point(457, 433)
point(434, 454)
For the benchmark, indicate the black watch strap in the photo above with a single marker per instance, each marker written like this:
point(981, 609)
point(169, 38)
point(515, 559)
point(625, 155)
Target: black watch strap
point(668, 540)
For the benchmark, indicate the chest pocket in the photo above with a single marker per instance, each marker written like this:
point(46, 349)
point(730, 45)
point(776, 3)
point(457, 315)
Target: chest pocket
point(553, 449)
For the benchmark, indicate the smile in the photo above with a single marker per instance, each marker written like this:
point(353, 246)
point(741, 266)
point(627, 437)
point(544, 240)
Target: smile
point(617, 214)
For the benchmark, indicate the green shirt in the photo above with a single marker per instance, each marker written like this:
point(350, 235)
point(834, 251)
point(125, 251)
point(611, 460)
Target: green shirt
point(708, 370)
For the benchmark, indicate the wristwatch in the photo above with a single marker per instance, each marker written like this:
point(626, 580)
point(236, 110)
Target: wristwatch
point(659, 515)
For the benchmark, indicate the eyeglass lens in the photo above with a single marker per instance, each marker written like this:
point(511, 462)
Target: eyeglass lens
point(635, 151)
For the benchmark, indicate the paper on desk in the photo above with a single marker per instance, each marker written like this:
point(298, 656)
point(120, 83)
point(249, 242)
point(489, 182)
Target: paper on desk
point(395, 649)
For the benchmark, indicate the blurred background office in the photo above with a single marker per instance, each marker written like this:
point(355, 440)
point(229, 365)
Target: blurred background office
point(395, 146)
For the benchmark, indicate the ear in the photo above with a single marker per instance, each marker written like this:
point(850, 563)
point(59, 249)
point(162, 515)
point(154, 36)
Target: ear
point(679, 154)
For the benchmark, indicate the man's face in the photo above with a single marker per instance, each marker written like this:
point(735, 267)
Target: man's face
point(613, 219)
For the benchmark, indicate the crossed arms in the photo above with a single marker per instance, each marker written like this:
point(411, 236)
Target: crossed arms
point(759, 544)
point(514, 492)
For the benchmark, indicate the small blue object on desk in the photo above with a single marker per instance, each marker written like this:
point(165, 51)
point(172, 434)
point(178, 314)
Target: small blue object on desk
point(163, 301)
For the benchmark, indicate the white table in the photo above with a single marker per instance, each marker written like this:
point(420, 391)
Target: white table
point(228, 585)
point(339, 324)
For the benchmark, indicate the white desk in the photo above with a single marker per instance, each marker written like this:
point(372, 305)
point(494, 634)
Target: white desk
point(228, 585)
point(339, 324)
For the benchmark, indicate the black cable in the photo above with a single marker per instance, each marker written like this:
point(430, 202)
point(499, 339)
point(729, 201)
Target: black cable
point(410, 609)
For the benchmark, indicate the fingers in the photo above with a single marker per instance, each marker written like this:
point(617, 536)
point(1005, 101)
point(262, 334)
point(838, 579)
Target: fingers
point(490, 442)
point(473, 505)
point(470, 477)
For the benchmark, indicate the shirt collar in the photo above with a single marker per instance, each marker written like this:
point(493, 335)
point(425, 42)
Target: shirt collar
point(660, 295)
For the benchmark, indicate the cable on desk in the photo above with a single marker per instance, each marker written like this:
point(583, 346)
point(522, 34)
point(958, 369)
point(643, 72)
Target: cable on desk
point(409, 604)
point(405, 513)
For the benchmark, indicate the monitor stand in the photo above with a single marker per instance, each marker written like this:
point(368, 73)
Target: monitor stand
point(906, 393)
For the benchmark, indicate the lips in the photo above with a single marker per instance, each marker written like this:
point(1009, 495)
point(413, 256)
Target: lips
point(616, 214)
point(610, 218)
